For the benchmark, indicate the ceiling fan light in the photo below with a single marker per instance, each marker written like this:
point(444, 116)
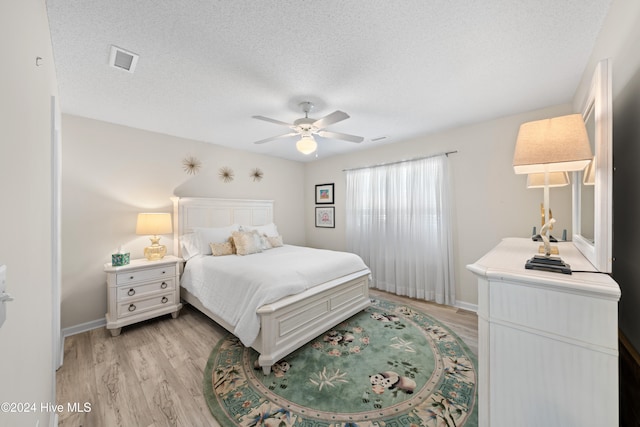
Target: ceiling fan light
point(306, 145)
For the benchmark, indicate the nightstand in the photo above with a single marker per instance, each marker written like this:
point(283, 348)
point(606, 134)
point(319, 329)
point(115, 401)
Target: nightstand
point(142, 290)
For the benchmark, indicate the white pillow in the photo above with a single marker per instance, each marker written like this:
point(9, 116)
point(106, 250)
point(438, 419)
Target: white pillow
point(190, 246)
point(213, 235)
point(269, 229)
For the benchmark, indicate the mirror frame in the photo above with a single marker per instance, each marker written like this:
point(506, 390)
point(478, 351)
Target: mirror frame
point(598, 101)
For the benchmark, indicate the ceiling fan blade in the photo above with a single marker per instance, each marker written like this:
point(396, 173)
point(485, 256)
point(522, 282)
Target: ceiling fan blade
point(262, 141)
point(338, 135)
point(335, 117)
point(267, 119)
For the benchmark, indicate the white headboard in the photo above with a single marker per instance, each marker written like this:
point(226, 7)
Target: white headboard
point(190, 212)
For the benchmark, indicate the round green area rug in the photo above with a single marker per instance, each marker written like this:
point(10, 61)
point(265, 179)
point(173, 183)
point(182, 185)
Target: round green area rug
point(387, 365)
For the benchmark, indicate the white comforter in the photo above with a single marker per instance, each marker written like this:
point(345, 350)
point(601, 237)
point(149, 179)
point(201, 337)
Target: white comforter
point(233, 286)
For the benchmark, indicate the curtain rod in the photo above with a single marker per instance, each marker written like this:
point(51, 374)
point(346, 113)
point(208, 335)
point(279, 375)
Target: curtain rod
point(402, 161)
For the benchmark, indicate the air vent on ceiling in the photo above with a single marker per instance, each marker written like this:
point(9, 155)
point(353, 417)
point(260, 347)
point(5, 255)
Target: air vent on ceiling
point(123, 59)
point(380, 138)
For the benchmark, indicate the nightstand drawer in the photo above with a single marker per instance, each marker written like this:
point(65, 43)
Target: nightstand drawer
point(140, 306)
point(136, 291)
point(145, 275)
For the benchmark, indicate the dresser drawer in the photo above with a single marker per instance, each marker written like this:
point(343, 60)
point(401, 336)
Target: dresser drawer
point(139, 306)
point(145, 275)
point(137, 291)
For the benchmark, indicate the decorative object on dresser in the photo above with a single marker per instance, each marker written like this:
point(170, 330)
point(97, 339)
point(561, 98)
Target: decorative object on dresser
point(558, 144)
point(537, 180)
point(142, 290)
point(548, 343)
point(324, 194)
point(154, 224)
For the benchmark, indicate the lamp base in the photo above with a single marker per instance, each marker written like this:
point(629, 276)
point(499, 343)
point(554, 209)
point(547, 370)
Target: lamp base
point(156, 251)
point(538, 238)
point(548, 263)
point(554, 250)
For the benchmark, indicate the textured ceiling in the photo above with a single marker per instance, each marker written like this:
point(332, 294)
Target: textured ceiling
point(400, 69)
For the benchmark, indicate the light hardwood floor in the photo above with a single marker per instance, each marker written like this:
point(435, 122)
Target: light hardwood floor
point(151, 375)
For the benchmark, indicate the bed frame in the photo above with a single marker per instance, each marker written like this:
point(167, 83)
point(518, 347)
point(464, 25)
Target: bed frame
point(290, 322)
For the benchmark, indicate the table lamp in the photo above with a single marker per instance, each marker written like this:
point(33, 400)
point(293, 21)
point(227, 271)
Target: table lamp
point(537, 180)
point(558, 144)
point(154, 224)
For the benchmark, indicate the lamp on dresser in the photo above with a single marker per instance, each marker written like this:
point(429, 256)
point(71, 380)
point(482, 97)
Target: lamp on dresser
point(153, 225)
point(558, 144)
point(539, 180)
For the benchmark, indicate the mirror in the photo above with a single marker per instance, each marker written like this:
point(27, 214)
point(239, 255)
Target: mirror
point(592, 188)
point(587, 188)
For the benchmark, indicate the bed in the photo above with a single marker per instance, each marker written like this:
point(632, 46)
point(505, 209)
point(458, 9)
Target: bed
point(335, 285)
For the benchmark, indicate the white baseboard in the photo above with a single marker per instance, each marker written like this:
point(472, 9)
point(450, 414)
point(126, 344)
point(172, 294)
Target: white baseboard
point(78, 329)
point(467, 306)
point(84, 327)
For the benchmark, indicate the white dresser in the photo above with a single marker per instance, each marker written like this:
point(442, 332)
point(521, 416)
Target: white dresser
point(142, 290)
point(548, 342)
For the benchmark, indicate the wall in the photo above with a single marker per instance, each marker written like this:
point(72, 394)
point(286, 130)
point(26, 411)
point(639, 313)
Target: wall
point(619, 40)
point(490, 201)
point(111, 173)
point(26, 341)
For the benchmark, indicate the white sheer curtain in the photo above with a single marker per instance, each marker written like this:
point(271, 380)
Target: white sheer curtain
point(398, 221)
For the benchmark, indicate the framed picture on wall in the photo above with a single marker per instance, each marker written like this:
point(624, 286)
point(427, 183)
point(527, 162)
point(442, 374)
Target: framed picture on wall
point(324, 194)
point(325, 217)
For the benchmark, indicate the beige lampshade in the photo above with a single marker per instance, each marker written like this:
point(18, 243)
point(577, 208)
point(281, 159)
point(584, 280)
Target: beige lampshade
point(154, 224)
point(589, 177)
point(554, 145)
point(307, 145)
point(556, 179)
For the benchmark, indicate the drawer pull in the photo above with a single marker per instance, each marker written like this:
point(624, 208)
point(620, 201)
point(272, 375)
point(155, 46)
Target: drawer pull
point(131, 292)
point(131, 277)
point(164, 300)
point(163, 272)
point(163, 285)
point(132, 307)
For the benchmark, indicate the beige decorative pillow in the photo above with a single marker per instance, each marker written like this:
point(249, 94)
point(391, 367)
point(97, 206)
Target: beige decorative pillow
point(220, 249)
point(246, 242)
point(275, 241)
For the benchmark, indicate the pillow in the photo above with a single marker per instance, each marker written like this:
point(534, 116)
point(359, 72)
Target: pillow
point(264, 241)
point(275, 241)
point(213, 235)
point(189, 245)
point(268, 229)
point(225, 248)
point(246, 242)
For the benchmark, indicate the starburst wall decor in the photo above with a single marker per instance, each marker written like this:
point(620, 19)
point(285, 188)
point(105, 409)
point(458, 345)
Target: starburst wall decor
point(226, 174)
point(256, 174)
point(191, 165)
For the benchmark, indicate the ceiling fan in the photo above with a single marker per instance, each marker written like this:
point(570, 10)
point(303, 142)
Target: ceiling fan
point(307, 127)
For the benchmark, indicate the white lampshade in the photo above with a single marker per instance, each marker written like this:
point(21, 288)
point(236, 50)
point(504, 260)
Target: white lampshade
point(154, 224)
point(556, 179)
point(307, 144)
point(554, 145)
